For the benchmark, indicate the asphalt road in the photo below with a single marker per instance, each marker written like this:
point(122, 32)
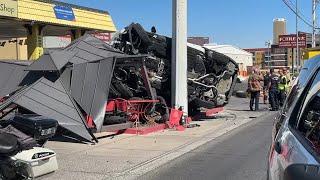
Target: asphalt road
point(239, 155)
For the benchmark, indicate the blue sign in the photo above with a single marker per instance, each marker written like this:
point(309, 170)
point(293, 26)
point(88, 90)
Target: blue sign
point(64, 12)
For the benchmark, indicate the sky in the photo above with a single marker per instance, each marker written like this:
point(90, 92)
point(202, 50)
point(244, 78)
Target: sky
point(243, 23)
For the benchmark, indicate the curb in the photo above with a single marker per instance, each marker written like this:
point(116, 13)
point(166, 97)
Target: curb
point(153, 163)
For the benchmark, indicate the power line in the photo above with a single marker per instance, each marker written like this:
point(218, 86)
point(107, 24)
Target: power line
point(296, 13)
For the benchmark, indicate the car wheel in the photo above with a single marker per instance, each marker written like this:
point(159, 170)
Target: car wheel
point(241, 94)
point(197, 102)
point(123, 89)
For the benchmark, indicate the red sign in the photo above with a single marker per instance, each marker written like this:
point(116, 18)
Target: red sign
point(290, 41)
point(106, 37)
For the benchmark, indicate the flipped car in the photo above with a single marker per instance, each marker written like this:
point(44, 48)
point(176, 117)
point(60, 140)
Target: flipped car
point(296, 133)
point(211, 75)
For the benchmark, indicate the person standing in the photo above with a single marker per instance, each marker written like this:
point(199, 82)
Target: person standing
point(254, 89)
point(266, 79)
point(282, 87)
point(289, 79)
point(273, 90)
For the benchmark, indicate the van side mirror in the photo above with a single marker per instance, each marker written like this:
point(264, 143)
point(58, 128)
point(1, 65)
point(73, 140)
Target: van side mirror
point(302, 172)
point(277, 147)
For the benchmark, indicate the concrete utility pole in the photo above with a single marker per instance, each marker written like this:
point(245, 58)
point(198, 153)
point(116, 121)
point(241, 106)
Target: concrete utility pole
point(297, 38)
point(314, 17)
point(179, 55)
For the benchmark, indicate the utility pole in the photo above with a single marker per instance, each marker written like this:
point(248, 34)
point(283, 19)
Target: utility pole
point(297, 38)
point(314, 17)
point(179, 55)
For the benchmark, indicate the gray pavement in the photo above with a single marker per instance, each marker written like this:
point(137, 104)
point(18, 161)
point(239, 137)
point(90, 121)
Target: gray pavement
point(131, 156)
point(239, 155)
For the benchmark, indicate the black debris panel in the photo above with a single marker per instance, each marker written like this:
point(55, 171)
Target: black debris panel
point(51, 61)
point(90, 84)
point(11, 74)
point(88, 49)
point(51, 99)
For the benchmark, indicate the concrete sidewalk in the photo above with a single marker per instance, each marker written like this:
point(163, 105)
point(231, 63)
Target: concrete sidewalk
point(129, 156)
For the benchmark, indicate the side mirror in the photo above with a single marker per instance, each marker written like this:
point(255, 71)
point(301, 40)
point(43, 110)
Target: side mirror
point(277, 147)
point(302, 172)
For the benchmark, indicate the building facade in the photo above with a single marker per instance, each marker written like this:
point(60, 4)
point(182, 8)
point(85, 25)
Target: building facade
point(34, 19)
point(243, 58)
point(13, 49)
point(279, 28)
point(260, 56)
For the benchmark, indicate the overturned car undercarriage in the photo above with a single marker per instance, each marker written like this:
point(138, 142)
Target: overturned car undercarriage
point(75, 84)
point(211, 75)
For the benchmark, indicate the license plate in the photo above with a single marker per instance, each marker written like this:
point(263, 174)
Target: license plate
point(45, 132)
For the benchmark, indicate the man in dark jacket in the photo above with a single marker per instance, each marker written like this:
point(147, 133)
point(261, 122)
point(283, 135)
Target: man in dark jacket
point(273, 90)
point(266, 80)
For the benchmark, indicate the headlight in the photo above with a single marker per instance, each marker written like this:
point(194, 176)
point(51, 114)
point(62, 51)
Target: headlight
point(49, 131)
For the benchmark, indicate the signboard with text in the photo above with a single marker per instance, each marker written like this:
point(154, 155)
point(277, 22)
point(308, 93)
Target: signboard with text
point(290, 41)
point(9, 8)
point(106, 37)
point(64, 13)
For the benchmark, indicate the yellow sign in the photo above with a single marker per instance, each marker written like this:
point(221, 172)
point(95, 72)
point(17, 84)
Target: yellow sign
point(9, 8)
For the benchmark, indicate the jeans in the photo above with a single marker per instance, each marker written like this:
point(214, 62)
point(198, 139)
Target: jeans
point(265, 95)
point(282, 97)
point(254, 99)
point(274, 100)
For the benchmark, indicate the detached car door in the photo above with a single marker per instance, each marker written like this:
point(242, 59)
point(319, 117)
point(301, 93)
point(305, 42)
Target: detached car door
point(299, 135)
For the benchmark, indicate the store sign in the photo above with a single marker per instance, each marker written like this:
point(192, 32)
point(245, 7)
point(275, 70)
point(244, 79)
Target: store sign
point(290, 41)
point(64, 12)
point(106, 37)
point(9, 8)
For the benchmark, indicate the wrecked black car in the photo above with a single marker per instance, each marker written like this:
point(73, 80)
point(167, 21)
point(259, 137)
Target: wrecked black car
point(71, 85)
point(211, 75)
point(90, 86)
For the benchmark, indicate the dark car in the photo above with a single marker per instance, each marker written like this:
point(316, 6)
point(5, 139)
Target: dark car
point(211, 75)
point(295, 145)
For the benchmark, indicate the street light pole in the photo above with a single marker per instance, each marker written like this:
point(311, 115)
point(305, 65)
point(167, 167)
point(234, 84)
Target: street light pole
point(269, 52)
point(268, 44)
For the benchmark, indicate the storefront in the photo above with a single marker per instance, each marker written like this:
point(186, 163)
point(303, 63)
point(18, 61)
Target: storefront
point(31, 20)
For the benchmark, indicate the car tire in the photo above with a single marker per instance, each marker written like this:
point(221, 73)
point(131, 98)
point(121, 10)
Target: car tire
point(241, 94)
point(123, 89)
point(110, 120)
point(197, 102)
point(164, 110)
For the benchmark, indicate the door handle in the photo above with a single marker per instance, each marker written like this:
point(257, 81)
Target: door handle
point(284, 115)
point(277, 147)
